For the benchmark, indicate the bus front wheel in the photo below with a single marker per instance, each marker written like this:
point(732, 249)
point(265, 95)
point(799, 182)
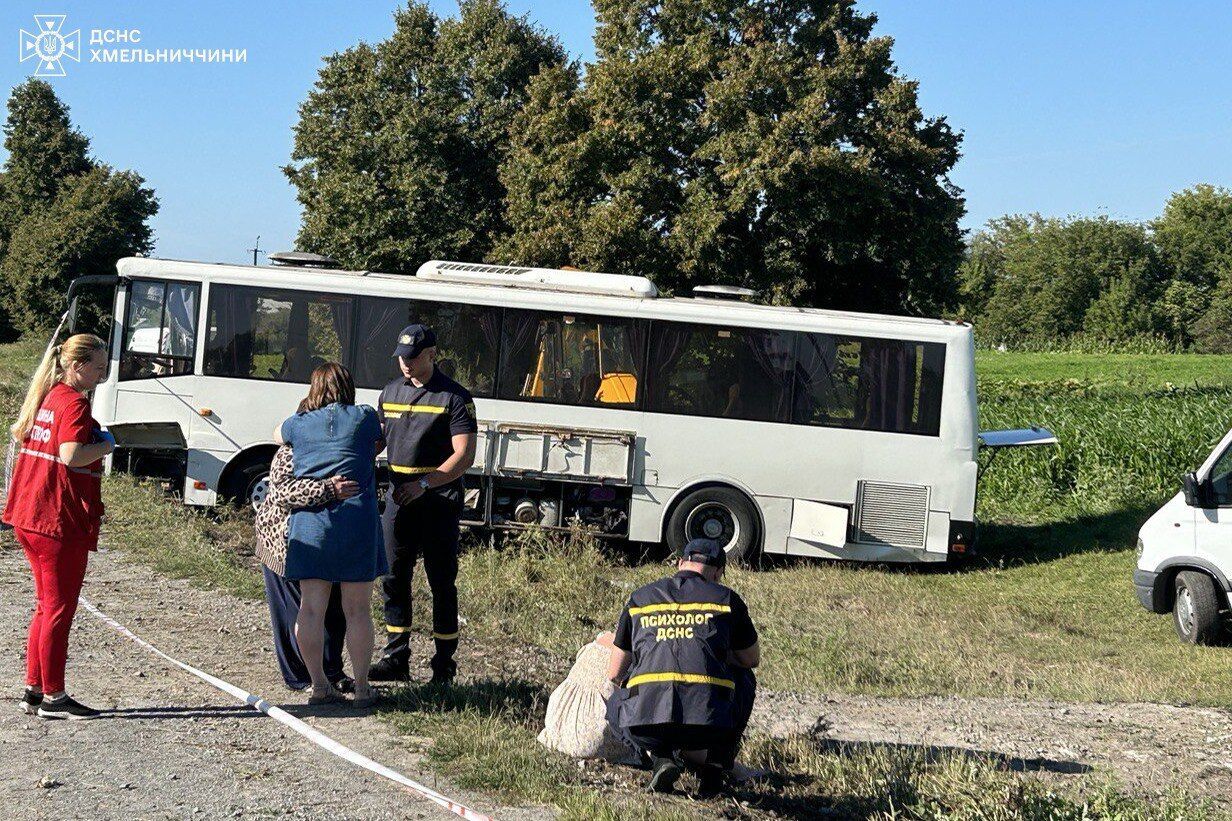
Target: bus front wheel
point(248, 484)
point(721, 513)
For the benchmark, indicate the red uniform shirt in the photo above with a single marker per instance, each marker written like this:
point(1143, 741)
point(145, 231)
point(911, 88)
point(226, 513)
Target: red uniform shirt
point(46, 495)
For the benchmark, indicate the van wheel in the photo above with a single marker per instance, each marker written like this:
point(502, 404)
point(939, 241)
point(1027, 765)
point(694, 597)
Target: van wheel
point(720, 513)
point(1195, 609)
point(248, 484)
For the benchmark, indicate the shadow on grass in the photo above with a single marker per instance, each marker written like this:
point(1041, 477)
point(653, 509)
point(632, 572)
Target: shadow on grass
point(518, 699)
point(1008, 544)
point(793, 795)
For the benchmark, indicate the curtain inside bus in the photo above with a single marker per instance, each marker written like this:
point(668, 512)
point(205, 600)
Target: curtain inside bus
point(709, 370)
point(232, 326)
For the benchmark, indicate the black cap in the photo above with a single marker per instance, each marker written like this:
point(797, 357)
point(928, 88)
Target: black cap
point(413, 339)
point(704, 551)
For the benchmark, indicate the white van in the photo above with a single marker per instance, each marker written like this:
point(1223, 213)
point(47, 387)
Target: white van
point(1185, 551)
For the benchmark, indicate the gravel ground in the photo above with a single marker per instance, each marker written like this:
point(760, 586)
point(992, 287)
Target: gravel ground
point(1146, 747)
point(172, 746)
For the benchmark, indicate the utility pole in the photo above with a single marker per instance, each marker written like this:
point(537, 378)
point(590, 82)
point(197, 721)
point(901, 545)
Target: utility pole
point(256, 249)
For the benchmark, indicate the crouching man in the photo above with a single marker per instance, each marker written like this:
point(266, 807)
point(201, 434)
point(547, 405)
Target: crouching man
point(683, 657)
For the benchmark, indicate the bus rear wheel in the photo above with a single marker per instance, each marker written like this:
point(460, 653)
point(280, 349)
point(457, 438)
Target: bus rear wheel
point(721, 513)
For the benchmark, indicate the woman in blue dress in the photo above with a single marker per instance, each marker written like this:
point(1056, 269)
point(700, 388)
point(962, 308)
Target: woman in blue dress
point(341, 542)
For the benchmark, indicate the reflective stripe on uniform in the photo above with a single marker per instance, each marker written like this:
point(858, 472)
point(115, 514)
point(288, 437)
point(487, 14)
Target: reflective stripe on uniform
point(53, 458)
point(389, 628)
point(444, 636)
point(672, 607)
point(409, 469)
point(390, 406)
point(684, 678)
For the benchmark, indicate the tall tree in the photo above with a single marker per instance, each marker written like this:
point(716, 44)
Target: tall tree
point(1051, 278)
point(98, 217)
point(398, 146)
point(772, 145)
point(61, 213)
point(44, 150)
point(1194, 235)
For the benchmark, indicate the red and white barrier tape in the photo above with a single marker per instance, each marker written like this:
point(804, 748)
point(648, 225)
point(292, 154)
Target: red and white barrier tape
point(285, 718)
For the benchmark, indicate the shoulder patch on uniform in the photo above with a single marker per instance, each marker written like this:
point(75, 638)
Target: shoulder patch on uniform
point(470, 409)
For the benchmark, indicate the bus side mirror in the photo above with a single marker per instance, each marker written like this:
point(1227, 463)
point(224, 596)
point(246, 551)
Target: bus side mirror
point(1195, 491)
point(72, 315)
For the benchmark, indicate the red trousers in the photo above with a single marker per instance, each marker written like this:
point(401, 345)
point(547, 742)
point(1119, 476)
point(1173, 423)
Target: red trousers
point(58, 568)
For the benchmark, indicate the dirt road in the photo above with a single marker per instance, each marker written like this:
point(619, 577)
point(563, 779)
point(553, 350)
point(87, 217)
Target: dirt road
point(171, 746)
point(1147, 747)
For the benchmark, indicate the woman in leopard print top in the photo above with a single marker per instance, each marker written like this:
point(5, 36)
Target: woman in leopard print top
point(287, 493)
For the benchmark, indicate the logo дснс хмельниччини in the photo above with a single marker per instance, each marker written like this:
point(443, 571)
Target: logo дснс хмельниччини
point(49, 45)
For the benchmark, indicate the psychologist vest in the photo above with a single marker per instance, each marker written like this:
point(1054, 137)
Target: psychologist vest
point(681, 635)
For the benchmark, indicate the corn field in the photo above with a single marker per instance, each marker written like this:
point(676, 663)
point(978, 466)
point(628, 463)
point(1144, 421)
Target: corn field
point(1118, 446)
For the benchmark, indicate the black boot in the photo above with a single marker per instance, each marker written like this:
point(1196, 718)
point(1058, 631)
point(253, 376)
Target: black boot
point(663, 774)
point(389, 670)
point(444, 670)
point(710, 781)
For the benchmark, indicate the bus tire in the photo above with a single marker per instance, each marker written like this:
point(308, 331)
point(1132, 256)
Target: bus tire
point(1195, 608)
point(718, 512)
point(247, 483)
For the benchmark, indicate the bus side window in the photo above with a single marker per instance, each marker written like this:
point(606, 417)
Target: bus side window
point(867, 383)
point(711, 370)
point(160, 330)
point(466, 340)
point(570, 359)
point(380, 320)
point(279, 335)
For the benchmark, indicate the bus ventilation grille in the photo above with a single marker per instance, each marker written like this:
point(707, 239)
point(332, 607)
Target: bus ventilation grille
point(892, 514)
point(476, 268)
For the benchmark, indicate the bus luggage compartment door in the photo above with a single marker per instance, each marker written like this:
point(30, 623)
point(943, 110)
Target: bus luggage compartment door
point(570, 454)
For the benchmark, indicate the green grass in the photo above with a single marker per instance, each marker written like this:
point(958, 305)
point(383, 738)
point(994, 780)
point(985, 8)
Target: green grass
point(213, 550)
point(1139, 370)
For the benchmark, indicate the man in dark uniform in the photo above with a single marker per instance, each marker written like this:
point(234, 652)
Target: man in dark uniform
point(430, 430)
point(683, 656)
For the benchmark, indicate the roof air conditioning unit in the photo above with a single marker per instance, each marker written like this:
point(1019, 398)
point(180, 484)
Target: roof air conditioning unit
point(544, 279)
point(302, 259)
point(725, 292)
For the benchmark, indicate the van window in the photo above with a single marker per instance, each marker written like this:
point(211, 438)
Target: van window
point(1221, 479)
point(713, 370)
point(278, 335)
point(160, 329)
point(870, 384)
point(571, 359)
point(466, 340)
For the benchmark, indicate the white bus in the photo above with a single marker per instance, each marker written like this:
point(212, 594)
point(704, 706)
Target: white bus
point(787, 430)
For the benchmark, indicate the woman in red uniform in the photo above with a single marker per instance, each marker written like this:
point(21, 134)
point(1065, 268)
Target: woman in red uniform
point(55, 506)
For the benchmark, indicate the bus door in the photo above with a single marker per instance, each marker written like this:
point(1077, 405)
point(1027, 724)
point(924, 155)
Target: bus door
point(153, 383)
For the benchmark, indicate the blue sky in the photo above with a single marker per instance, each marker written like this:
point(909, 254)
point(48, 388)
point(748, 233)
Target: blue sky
point(1067, 108)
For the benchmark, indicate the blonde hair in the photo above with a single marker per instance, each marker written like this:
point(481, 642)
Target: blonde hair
point(57, 358)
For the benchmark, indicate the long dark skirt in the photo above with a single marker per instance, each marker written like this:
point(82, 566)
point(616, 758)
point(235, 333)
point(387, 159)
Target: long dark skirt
point(283, 597)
